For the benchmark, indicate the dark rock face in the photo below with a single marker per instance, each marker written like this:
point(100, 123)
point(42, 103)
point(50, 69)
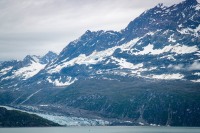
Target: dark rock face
point(49, 57)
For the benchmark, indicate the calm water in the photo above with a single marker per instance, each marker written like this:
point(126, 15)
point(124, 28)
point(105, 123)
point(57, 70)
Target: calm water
point(102, 130)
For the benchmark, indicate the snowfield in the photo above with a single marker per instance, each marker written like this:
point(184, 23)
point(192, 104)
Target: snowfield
point(29, 71)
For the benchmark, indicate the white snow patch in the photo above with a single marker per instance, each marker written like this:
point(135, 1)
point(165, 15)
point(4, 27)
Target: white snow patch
point(197, 73)
point(183, 49)
point(5, 78)
point(93, 58)
point(180, 25)
point(57, 82)
point(43, 105)
point(197, 7)
point(5, 70)
point(99, 72)
point(185, 31)
point(171, 39)
point(183, 15)
point(196, 81)
point(190, 31)
point(38, 82)
point(124, 64)
point(169, 57)
point(167, 76)
point(107, 78)
point(197, 53)
point(178, 48)
point(127, 46)
point(149, 50)
point(152, 68)
point(150, 33)
point(29, 71)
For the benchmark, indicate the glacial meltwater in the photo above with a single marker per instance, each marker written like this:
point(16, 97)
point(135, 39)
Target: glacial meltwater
point(103, 129)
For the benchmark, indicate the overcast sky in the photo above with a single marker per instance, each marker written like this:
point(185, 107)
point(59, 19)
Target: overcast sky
point(37, 26)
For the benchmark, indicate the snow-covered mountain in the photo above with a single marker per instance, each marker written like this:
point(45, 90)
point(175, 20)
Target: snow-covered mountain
point(12, 72)
point(162, 43)
point(148, 62)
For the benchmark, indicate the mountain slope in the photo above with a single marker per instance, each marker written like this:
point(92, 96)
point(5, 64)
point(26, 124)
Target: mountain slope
point(172, 103)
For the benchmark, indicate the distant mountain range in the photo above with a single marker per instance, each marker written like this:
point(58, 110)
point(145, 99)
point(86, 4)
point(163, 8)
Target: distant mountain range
point(145, 74)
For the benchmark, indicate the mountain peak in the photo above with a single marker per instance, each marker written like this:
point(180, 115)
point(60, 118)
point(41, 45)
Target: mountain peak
point(189, 2)
point(32, 58)
point(29, 59)
point(50, 53)
point(160, 5)
point(50, 56)
point(88, 32)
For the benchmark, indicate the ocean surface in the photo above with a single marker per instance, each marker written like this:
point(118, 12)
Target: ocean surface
point(102, 129)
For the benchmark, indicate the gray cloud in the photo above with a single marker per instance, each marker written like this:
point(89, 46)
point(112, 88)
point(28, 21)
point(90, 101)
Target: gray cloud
point(177, 67)
point(194, 66)
point(35, 27)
